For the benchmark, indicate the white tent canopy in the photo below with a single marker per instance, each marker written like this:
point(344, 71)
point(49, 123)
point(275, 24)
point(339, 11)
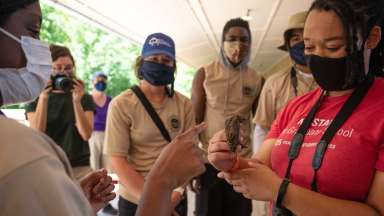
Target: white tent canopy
point(195, 25)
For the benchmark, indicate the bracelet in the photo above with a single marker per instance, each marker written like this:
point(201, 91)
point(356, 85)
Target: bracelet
point(282, 191)
point(236, 164)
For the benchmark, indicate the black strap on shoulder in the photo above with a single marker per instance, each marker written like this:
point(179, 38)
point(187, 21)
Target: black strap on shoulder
point(151, 111)
point(294, 80)
point(344, 113)
point(298, 138)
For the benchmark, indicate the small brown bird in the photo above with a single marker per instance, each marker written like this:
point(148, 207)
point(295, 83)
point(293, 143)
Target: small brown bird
point(232, 131)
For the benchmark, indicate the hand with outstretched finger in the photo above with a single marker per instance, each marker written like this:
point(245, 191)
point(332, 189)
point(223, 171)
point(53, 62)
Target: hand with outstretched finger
point(181, 160)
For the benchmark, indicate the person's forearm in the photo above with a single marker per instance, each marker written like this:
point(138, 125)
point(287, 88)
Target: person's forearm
point(302, 201)
point(263, 154)
point(198, 96)
point(39, 121)
point(82, 124)
point(199, 109)
point(156, 198)
point(129, 177)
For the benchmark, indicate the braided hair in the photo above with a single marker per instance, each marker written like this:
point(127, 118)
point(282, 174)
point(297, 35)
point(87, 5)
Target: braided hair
point(377, 56)
point(373, 11)
point(358, 17)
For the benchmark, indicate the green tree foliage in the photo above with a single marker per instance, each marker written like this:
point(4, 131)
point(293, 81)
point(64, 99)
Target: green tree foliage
point(97, 50)
point(94, 49)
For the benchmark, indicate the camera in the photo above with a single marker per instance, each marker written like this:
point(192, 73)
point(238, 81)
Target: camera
point(62, 82)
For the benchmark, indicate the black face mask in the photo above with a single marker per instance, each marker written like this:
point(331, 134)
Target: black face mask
point(331, 73)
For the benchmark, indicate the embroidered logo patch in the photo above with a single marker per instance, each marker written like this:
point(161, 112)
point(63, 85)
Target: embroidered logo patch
point(157, 42)
point(174, 123)
point(249, 91)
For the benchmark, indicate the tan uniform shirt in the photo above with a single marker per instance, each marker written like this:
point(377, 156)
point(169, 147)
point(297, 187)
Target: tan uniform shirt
point(35, 175)
point(131, 132)
point(277, 92)
point(228, 93)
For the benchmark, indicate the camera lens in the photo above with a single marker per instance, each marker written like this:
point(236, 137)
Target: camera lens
point(63, 83)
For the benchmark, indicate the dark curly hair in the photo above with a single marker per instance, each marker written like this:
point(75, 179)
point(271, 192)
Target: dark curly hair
point(358, 18)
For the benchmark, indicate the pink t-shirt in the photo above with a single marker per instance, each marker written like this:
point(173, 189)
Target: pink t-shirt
point(355, 153)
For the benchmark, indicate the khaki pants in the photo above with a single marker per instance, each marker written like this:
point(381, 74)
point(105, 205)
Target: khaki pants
point(96, 145)
point(260, 208)
point(80, 172)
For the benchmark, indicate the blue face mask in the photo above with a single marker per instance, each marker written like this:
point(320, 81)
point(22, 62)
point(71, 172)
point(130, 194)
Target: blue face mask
point(156, 74)
point(101, 86)
point(297, 54)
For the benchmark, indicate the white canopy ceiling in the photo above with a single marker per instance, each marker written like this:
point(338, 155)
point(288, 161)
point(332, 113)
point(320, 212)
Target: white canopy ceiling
point(195, 25)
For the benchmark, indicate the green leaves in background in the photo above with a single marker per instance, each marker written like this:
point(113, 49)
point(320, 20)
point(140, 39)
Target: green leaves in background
point(93, 49)
point(97, 50)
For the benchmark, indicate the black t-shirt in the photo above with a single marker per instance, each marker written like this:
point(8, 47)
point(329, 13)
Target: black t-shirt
point(61, 125)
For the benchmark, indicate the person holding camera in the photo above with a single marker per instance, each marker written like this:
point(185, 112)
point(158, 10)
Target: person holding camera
point(65, 112)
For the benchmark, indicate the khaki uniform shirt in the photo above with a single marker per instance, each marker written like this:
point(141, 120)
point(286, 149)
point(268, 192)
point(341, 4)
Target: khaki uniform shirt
point(277, 92)
point(131, 132)
point(229, 92)
point(35, 175)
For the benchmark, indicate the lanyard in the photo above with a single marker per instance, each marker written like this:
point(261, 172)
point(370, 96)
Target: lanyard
point(293, 77)
point(344, 113)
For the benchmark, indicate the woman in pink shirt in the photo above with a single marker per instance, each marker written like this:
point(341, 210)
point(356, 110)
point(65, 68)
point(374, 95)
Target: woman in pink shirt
point(324, 154)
